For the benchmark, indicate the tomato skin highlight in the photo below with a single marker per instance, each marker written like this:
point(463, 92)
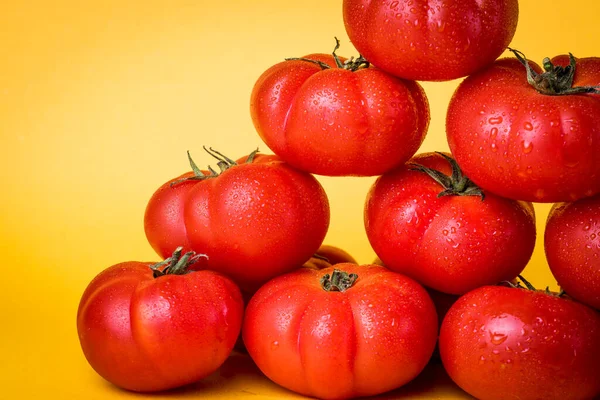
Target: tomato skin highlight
point(572, 247)
point(452, 244)
point(429, 40)
point(518, 143)
point(511, 343)
point(149, 334)
point(254, 221)
point(338, 122)
point(336, 344)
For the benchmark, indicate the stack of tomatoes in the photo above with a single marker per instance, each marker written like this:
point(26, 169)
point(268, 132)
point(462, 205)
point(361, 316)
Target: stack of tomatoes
point(242, 242)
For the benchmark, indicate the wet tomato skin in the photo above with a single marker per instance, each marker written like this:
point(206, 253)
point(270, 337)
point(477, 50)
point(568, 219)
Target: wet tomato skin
point(371, 338)
point(572, 246)
point(453, 243)
point(338, 122)
point(521, 144)
point(430, 40)
point(510, 343)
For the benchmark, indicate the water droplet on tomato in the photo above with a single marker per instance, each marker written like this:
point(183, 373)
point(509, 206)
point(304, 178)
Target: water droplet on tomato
point(527, 147)
point(495, 121)
point(528, 126)
point(586, 228)
point(274, 345)
point(497, 338)
point(494, 132)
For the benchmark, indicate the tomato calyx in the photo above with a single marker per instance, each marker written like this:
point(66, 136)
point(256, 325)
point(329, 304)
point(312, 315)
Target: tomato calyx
point(528, 286)
point(177, 264)
point(223, 162)
point(350, 64)
point(338, 280)
point(456, 185)
point(556, 80)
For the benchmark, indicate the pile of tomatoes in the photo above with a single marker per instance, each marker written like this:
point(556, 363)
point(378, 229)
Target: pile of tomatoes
point(244, 265)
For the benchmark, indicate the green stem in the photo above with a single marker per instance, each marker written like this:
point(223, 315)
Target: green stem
point(223, 162)
point(555, 80)
point(338, 281)
point(351, 64)
point(177, 264)
point(455, 185)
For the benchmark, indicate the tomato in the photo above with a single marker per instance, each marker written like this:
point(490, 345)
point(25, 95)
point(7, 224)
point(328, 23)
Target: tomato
point(514, 343)
point(146, 330)
point(430, 40)
point(572, 245)
point(327, 256)
point(256, 219)
point(338, 120)
point(331, 333)
point(435, 232)
point(525, 144)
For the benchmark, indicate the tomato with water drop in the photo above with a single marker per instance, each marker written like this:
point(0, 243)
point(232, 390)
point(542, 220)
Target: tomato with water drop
point(572, 246)
point(149, 327)
point(511, 343)
point(430, 40)
point(429, 221)
point(341, 332)
point(331, 116)
point(255, 219)
point(527, 133)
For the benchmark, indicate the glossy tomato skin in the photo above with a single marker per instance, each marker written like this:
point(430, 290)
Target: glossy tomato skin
point(572, 246)
point(163, 219)
point(149, 334)
point(375, 336)
point(521, 144)
point(429, 40)
point(337, 122)
point(254, 221)
point(509, 343)
point(452, 244)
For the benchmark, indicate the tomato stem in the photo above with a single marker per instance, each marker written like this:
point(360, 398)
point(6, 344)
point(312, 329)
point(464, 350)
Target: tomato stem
point(555, 80)
point(527, 283)
point(338, 281)
point(456, 185)
point(177, 264)
point(351, 64)
point(223, 162)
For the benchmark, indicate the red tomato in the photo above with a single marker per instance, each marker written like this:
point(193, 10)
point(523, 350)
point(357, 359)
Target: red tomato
point(148, 334)
point(453, 243)
point(254, 220)
point(327, 334)
point(572, 244)
point(338, 120)
point(430, 40)
point(520, 143)
point(512, 343)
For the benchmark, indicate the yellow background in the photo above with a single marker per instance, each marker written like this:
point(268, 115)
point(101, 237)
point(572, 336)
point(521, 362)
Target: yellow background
point(99, 102)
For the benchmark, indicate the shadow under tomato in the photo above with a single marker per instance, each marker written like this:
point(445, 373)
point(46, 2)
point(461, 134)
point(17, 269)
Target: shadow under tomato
point(239, 378)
